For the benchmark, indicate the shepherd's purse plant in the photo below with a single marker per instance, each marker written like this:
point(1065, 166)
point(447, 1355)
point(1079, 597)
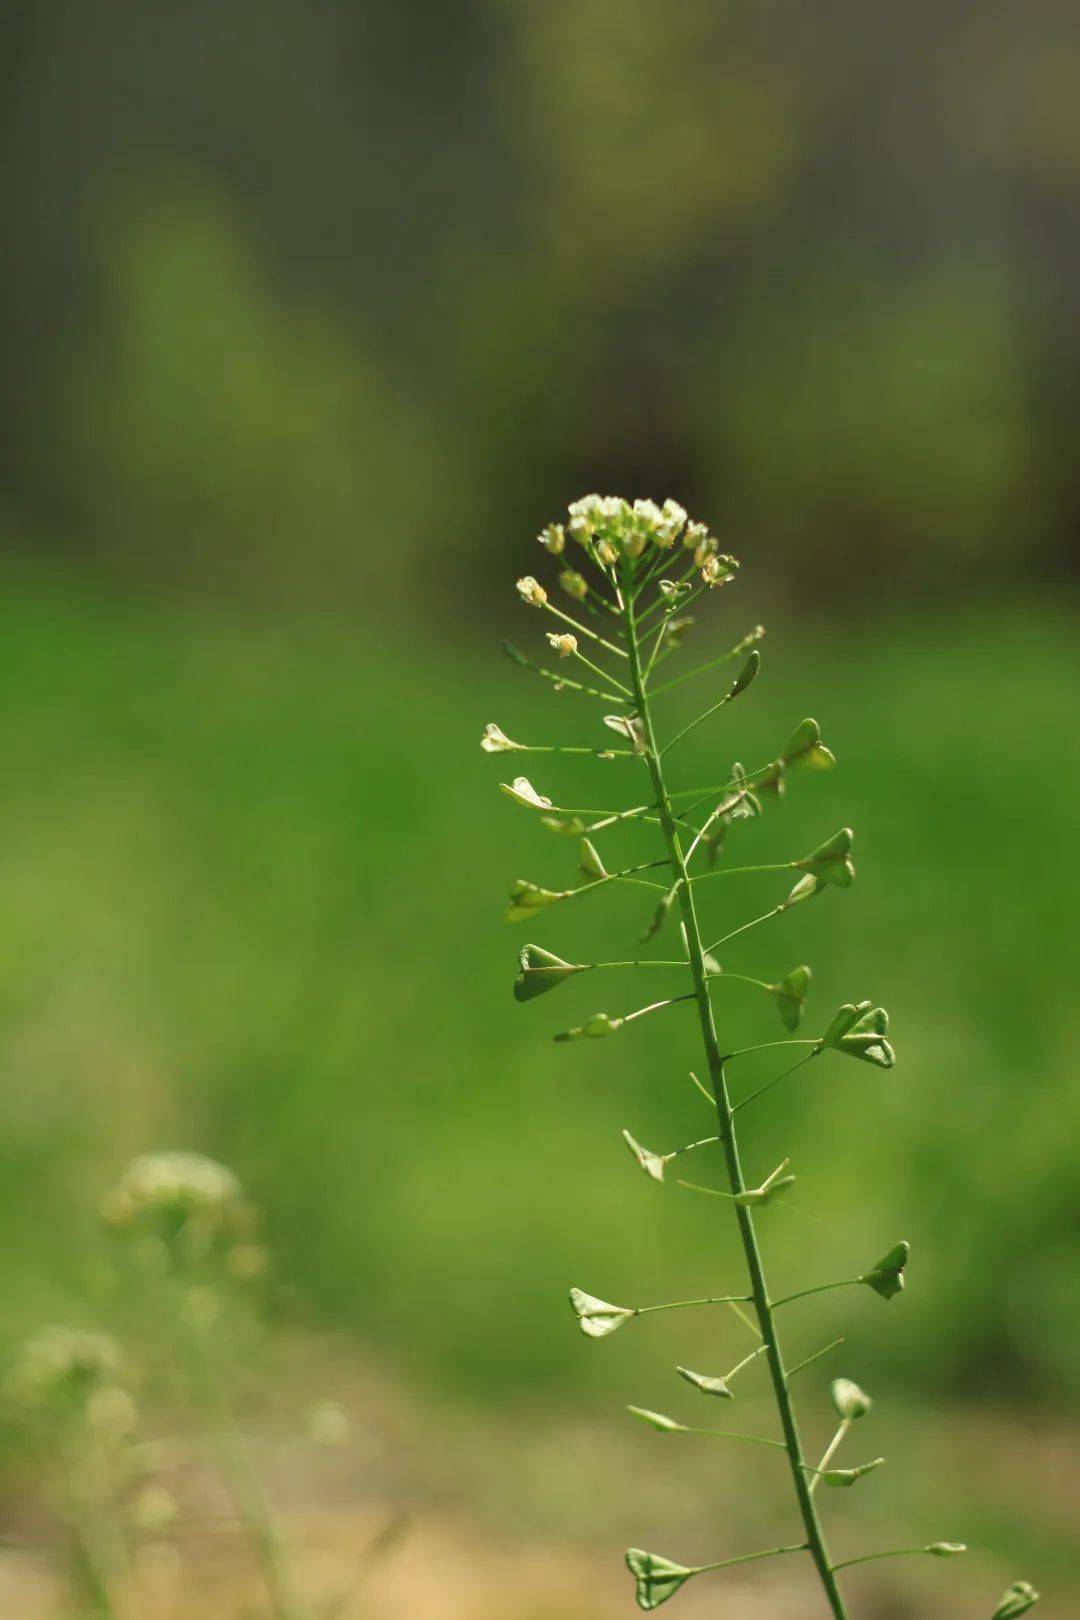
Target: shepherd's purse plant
point(648, 565)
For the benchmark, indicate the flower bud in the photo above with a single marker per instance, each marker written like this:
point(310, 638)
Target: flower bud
point(695, 534)
point(564, 644)
point(606, 553)
point(553, 539)
point(652, 1163)
point(887, 1277)
point(656, 1579)
point(1020, 1597)
point(596, 1318)
point(540, 971)
point(495, 741)
point(849, 1400)
point(522, 791)
point(575, 585)
point(531, 591)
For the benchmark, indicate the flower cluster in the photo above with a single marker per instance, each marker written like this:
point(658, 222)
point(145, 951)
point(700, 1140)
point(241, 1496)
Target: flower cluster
point(186, 1206)
point(610, 526)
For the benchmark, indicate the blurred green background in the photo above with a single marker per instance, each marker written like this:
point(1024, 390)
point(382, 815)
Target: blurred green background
point(311, 317)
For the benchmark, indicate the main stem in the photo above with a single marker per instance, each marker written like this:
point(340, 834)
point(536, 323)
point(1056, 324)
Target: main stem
point(815, 1539)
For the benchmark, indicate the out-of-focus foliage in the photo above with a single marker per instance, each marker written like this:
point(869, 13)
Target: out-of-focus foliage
point(283, 282)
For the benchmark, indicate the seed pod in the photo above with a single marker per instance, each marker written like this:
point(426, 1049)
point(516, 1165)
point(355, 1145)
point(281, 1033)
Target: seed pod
point(596, 1318)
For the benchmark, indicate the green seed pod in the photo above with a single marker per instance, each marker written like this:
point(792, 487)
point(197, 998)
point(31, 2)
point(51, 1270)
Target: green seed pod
point(844, 1478)
point(946, 1549)
point(775, 1183)
point(594, 1028)
point(708, 1385)
point(657, 1420)
point(830, 861)
point(849, 1400)
point(746, 674)
point(805, 747)
point(656, 1579)
point(887, 1277)
point(522, 791)
point(590, 862)
point(1020, 1597)
point(596, 1318)
point(652, 1163)
point(791, 994)
point(540, 971)
point(568, 826)
point(527, 898)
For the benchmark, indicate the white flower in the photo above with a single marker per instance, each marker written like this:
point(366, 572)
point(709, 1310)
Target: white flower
point(522, 791)
point(695, 534)
point(564, 645)
point(672, 519)
point(63, 1359)
point(495, 741)
point(187, 1184)
point(531, 591)
point(553, 539)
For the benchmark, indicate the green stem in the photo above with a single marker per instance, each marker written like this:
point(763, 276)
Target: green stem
point(815, 1540)
point(748, 1558)
point(830, 1452)
point(815, 1357)
point(238, 1474)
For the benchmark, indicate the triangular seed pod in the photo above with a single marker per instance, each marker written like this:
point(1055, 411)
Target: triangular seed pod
point(708, 1385)
point(540, 971)
point(594, 1028)
point(596, 1317)
point(1020, 1597)
point(806, 889)
point(590, 862)
point(652, 1163)
point(866, 1040)
point(849, 1014)
point(527, 898)
point(790, 996)
point(887, 1277)
point(495, 741)
point(569, 826)
point(846, 1477)
point(657, 1420)
point(946, 1549)
point(777, 1182)
point(805, 747)
point(659, 916)
point(522, 791)
point(656, 1579)
point(831, 860)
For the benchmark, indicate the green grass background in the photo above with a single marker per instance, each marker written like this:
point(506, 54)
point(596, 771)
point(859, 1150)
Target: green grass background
point(253, 877)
